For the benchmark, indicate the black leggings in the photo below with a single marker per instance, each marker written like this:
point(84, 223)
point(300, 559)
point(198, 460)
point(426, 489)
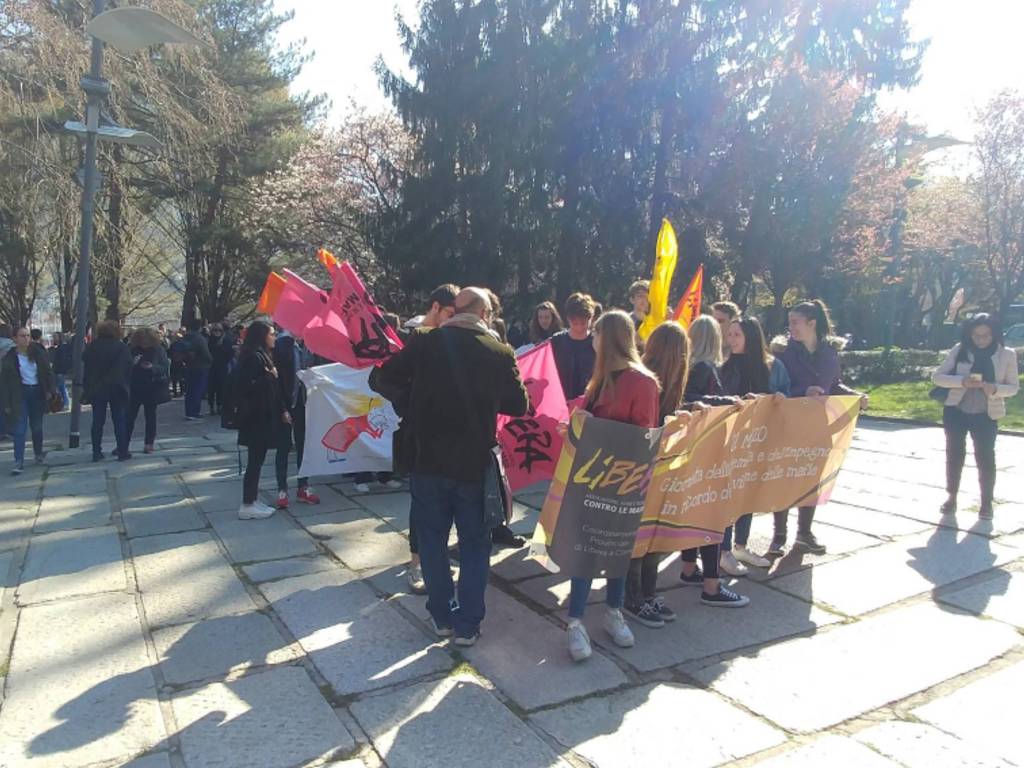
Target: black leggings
point(708, 557)
point(253, 465)
point(805, 516)
point(983, 431)
point(642, 579)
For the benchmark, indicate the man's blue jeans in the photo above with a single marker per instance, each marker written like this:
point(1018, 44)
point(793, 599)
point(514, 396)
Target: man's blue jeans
point(62, 388)
point(195, 390)
point(437, 502)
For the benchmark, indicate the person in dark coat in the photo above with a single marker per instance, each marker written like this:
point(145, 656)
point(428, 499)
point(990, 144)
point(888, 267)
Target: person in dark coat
point(261, 412)
point(108, 366)
point(197, 369)
point(26, 384)
point(150, 381)
point(221, 351)
point(61, 362)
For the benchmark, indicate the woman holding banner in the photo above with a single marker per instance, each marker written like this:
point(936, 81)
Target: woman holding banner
point(704, 386)
point(748, 371)
point(812, 360)
point(621, 389)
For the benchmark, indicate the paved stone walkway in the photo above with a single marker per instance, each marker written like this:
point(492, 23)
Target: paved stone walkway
point(142, 624)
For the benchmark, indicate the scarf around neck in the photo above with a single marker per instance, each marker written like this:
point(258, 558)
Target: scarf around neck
point(983, 363)
point(468, 321)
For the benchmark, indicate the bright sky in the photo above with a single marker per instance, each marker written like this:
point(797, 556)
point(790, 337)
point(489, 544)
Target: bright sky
point(976, 51)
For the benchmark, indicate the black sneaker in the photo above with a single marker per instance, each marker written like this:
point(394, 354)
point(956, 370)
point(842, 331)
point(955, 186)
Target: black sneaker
point(948, 507)
point(467, 641)
point(666, 613)
point(725, 598)
point(645, 614)
point(695, 579)
point(503, 536)
point(41, 457)
point(124, 456)
point(808, 543)
point(985, 511)
point(778, 545)
point(98, 456)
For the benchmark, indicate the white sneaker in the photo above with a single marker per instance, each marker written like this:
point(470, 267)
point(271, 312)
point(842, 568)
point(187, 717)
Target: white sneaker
point(393, 485)
point(728, 563)
point(255, 511)
point(744, 555)
point(579, 641)
point(362, 488)
point(615, 624)
point(414, 577)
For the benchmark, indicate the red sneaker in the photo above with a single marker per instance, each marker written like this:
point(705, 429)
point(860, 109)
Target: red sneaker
point(282, 499)
point(307, 496)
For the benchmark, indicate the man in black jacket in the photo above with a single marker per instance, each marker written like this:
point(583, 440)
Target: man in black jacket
point(197, 361)
point(455, 381)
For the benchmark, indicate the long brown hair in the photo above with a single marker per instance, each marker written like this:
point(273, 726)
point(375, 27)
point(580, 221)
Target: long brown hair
point(668, 355)
point(537, 333)
point(752, 367)
point(615, 336)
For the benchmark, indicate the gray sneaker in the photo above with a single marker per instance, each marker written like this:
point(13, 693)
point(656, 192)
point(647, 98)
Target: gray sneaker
point(579, 641)
point(615, 625)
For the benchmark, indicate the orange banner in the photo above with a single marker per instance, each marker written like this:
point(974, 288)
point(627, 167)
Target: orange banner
point(688, 308)
point(271, 294)
point(764, 455)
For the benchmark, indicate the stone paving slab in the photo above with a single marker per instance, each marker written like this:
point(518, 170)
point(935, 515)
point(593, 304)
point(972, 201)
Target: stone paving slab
point(275, 570)
point(132, 489)
point(915, 745)
point(451, 722)
point(868, 521)
point(63, 513)
point(155, 760)
point(392, 507)
point(999, 597)
point(76, 698)
point(657, 725)
point(361, 544)
point(700, 631)
point(160, 514)
point(893, 572)
point(981, 713)
point(828, 750)
point(525, 656)
point(270, 539)
point(183, 577)
point(273, 719)
point(68, 563)
point(214, 647)
point(357, 641)
point(217, 496)
point(872, 662)
point(15, 524)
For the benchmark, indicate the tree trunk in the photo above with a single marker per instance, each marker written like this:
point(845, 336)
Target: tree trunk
point(116, 242)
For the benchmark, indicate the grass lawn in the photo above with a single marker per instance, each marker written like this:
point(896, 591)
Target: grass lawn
point(909, 400)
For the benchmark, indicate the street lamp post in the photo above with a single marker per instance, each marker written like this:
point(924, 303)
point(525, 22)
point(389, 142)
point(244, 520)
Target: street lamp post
point(127, 29)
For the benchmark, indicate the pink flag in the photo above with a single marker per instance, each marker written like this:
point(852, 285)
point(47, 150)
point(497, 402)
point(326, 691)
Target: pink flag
point(345, 326)
point(531, 445)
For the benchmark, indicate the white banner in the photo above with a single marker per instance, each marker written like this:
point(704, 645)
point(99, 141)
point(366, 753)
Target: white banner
point(349, 427)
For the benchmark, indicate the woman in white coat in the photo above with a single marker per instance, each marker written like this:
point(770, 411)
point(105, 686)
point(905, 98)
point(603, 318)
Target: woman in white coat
point(979, 374)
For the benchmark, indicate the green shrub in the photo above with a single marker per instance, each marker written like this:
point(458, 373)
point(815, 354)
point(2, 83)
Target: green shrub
point(874, 366)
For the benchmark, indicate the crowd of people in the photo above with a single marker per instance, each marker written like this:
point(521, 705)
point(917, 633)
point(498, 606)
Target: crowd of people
point(456, 373)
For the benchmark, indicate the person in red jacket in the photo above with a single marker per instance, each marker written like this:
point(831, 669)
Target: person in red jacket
point(621, 389)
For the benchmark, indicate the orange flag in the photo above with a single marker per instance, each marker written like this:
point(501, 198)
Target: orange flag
point(689, 306)
point(271, 294)
point(328, 259)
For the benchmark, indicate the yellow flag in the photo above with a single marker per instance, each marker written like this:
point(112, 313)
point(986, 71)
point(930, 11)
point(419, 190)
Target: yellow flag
point(661, 280)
